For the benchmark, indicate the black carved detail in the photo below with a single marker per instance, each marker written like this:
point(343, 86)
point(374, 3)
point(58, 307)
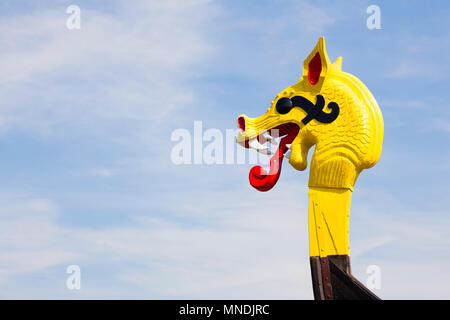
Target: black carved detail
point(284, 105)
point(314, 111)
point(328, 117)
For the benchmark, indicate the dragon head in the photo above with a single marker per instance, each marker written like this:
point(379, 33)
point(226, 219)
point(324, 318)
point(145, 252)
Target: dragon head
point(328, 108)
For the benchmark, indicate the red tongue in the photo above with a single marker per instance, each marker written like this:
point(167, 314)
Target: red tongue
point(264, 181)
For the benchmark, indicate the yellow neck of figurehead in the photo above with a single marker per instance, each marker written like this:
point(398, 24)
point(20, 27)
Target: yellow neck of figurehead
point(328, 215)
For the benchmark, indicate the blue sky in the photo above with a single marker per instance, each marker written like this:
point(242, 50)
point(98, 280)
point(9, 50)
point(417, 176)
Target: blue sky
point(86, 118)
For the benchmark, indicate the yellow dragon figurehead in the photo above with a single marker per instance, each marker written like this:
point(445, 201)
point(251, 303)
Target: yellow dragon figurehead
point(334, 111)
point(327, 108)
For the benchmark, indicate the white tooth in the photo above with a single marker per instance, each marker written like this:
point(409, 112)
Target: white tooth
point(288, 154)
point(288, 146)
point(254, 144)
point(269, 138)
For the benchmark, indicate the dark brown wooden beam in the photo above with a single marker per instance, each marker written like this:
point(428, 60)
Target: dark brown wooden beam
point(332, 280)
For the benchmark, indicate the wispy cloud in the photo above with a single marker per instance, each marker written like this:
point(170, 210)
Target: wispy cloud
point(109, 199)
point(441, 124)
point(253, 245)
point(225, 247)
point(115, 67)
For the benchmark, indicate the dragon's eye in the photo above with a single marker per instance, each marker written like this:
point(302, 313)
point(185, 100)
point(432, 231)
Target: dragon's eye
point(284, 105)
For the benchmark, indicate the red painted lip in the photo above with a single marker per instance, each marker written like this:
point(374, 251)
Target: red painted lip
point(259, 178)
point(241, 124)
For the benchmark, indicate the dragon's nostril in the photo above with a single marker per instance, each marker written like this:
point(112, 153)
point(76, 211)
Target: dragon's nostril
point(241, 124)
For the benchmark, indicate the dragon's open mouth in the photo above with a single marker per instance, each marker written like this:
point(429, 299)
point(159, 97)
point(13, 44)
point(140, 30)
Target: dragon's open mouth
point(258, 176)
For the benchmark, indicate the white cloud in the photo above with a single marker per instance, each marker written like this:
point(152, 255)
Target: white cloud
point(132, 66)
point(407, 69)
point(440, 124)
point(416, 56)
point(260, 246)
point(30, 237)
point(402, 104)
point(313, 19)
point(214, 245)
point(103, 172)
point(196, 242)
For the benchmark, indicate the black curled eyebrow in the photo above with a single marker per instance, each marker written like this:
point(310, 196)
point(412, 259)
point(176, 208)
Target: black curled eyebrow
point(315, 111)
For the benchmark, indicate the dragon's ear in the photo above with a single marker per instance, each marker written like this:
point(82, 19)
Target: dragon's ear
point(317, 64)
